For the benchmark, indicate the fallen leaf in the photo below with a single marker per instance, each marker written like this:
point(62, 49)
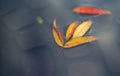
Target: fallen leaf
point(79, 40)
point(82, 28)
point(90, 10)
point(57, 34)
point(70, 30)
point(39, 20)
point(77, 31)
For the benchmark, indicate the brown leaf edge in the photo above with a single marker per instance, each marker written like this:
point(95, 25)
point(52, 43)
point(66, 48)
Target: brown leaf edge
point(57, 34)
point(82, 28)
point(70, 30)
point(72, 42)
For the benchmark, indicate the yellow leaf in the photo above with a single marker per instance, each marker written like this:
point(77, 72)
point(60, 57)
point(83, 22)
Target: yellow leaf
point(70, 30)
point(57, 35)
point(82, 28)
point(79, 40)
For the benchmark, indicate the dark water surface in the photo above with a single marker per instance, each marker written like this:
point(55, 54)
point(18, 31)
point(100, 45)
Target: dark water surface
point(28, 48)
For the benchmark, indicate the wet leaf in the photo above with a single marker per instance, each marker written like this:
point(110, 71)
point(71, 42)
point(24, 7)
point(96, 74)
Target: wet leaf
point(90, 10)
point(70, 30)
point(82, 28)
point(77, 31)
point(40, 20)
point(57, 35)
point(79, 41)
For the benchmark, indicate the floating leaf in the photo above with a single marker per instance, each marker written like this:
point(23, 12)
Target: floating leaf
point(71, 29)
point(82, 28)
point(79, 40)
point(40, 20)
point(57, 35)
point(90, 10)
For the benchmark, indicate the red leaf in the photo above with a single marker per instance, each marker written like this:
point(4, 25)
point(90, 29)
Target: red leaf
point(90, 10)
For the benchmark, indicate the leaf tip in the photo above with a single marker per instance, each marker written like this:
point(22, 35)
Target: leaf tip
point(108, 12)
point(93, 38)
point(54, 22)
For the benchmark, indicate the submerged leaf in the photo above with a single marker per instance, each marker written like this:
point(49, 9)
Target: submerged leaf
point(57, 35)
point(39, 20)
point(82, 28)
point(79, 41)
point(70, 30)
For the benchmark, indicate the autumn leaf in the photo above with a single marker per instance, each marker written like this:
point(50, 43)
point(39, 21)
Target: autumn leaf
point(57, 34)
point(79, 40)
point(90, 10)
point(70, 30)
point(74, 34)
point(82, 28)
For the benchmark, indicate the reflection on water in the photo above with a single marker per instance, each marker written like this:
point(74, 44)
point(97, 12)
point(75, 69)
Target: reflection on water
point(100, 58)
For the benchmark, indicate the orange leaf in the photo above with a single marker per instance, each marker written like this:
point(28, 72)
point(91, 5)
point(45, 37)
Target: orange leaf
point(71, 29)
point(90, 10)
point(82, 28)
point(79, 41)
point(57, 35)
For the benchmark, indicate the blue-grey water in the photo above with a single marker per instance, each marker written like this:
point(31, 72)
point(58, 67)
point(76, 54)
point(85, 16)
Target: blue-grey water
point(27, 48)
